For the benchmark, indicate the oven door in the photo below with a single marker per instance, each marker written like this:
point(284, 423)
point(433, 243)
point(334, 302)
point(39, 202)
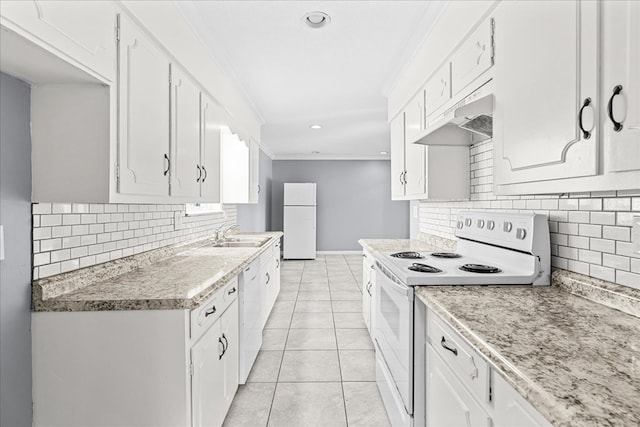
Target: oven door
point(394, 331)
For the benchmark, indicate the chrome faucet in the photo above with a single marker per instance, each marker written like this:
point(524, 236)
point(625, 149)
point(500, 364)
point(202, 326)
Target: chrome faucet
point(221, 232)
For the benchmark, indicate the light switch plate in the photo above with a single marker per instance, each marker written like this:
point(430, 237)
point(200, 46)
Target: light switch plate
point(414, 211)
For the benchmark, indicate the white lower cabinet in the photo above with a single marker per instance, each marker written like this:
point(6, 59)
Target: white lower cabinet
point(137, 367)
point(368, 290)
point(464, 389)
point(448, 402)
point(270, 280)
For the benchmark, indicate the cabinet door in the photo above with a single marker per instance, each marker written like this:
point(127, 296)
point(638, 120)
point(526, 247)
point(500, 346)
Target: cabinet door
point(397, 156)
point(211, 121)
point(438, 91)
point(186, 172)
point(234, 169)
point(254, 172)
point(511, 409)
point(621, 68)
point(207, 393)
point(231, 338)
point(81, 31)
point(366, 291)
point(472, 59)
point(448, 403)
point(143, 119)
point(414, 118)
point(545, 82)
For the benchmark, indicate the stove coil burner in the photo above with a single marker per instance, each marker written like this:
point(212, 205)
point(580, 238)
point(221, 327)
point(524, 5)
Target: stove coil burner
point(423, 268)
point(445, 255)
point(480, 268)
point(407, 255)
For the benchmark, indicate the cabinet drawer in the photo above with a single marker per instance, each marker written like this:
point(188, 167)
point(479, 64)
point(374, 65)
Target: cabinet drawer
point(471, 369)
point(438, 89)
point(472, 59)
point(209, 311)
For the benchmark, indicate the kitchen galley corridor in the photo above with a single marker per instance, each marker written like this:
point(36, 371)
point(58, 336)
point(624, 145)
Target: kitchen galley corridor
point(316, 365)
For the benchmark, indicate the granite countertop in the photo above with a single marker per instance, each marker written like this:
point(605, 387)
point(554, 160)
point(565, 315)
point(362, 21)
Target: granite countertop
point(577, 361)
point(175, 277)
point(378, 246)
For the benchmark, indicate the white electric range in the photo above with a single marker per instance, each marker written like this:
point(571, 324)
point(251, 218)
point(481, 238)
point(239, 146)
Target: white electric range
point(492, 249)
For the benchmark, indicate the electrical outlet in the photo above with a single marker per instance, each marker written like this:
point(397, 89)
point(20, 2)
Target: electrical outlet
point(635, 234)
point(177, 220)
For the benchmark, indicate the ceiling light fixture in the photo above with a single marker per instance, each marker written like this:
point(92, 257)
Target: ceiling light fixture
point(316, 19)
point(316, 126)
point(384, 152)
point(315, 152)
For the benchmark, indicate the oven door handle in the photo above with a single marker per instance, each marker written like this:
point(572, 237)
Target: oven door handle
point(395, 283)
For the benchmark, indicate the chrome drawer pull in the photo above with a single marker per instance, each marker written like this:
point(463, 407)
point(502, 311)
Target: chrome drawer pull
point(453, 350)
point(210, 312)
point(231, 291)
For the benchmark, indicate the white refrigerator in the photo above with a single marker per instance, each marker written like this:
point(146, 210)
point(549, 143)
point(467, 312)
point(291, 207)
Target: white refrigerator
point(299, 221)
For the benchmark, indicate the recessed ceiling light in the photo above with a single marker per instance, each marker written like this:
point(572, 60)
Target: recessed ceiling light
point(316, 126)
point(384, 152)
point(315, 152)
point(316, 19)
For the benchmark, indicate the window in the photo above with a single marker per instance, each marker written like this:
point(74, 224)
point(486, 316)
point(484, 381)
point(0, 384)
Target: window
point(202, 208)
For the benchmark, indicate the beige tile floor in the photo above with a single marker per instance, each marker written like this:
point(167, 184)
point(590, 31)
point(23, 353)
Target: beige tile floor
point(316, 365)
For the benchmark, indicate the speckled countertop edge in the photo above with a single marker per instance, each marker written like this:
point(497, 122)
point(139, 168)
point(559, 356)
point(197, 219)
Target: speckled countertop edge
point(56, 293)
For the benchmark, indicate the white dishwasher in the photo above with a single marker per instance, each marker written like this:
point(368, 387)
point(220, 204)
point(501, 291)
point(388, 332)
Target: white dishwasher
point(250, 318)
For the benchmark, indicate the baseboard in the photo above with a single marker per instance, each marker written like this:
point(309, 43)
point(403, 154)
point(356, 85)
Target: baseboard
point(339, 252)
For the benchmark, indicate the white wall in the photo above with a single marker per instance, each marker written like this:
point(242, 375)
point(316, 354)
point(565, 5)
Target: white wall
point(15, 269)
point(590, 232)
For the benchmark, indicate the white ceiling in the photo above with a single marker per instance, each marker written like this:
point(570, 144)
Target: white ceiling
point(295, 75)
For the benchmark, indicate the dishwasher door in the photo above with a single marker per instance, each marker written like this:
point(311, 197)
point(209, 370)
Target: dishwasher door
point(250, 315)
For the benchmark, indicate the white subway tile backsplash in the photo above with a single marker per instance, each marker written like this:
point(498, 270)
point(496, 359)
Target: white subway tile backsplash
point(590, 231)
point(88, 234)
point(628, 279)
point(604, 273)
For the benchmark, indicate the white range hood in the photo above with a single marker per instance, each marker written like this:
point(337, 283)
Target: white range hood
point(467, 122)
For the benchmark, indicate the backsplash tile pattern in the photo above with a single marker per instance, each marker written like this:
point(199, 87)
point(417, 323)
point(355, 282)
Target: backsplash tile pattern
point(69, 236)
point(590, 232)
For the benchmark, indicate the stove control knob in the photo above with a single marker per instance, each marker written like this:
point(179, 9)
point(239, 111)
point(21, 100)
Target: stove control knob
point(468, 222)
point(480, 223)
point(521, 233)
point(490, 225)
point(507, 227)
point(460, 224)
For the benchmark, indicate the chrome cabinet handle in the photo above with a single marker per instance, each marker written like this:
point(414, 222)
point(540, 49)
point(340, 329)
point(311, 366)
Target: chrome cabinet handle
point(205, 174)
point(444, 345)
point(278, 263)
point(585, 132)
point(405, 177)
point(617, 126)
point(226, 343)
point(210, 311)
point(369, 289)
point(199, 173)
point(231, 291)
point(258, 188)
point(168, 165)
point(268, 279)
point(401, 181)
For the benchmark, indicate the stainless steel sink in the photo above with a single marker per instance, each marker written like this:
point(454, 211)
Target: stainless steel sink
point(242, 242)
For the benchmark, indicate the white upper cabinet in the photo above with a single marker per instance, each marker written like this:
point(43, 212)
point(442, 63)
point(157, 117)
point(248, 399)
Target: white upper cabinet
point(211, 122)
point(438, 90)
point(414, 156)
point(186, 170)
point(82, 33)
point(234, 168)
point(396, 127)
point(472, 59)
point(254, 172)
point(621, 85)
point(546, 97)
point(143, 145)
